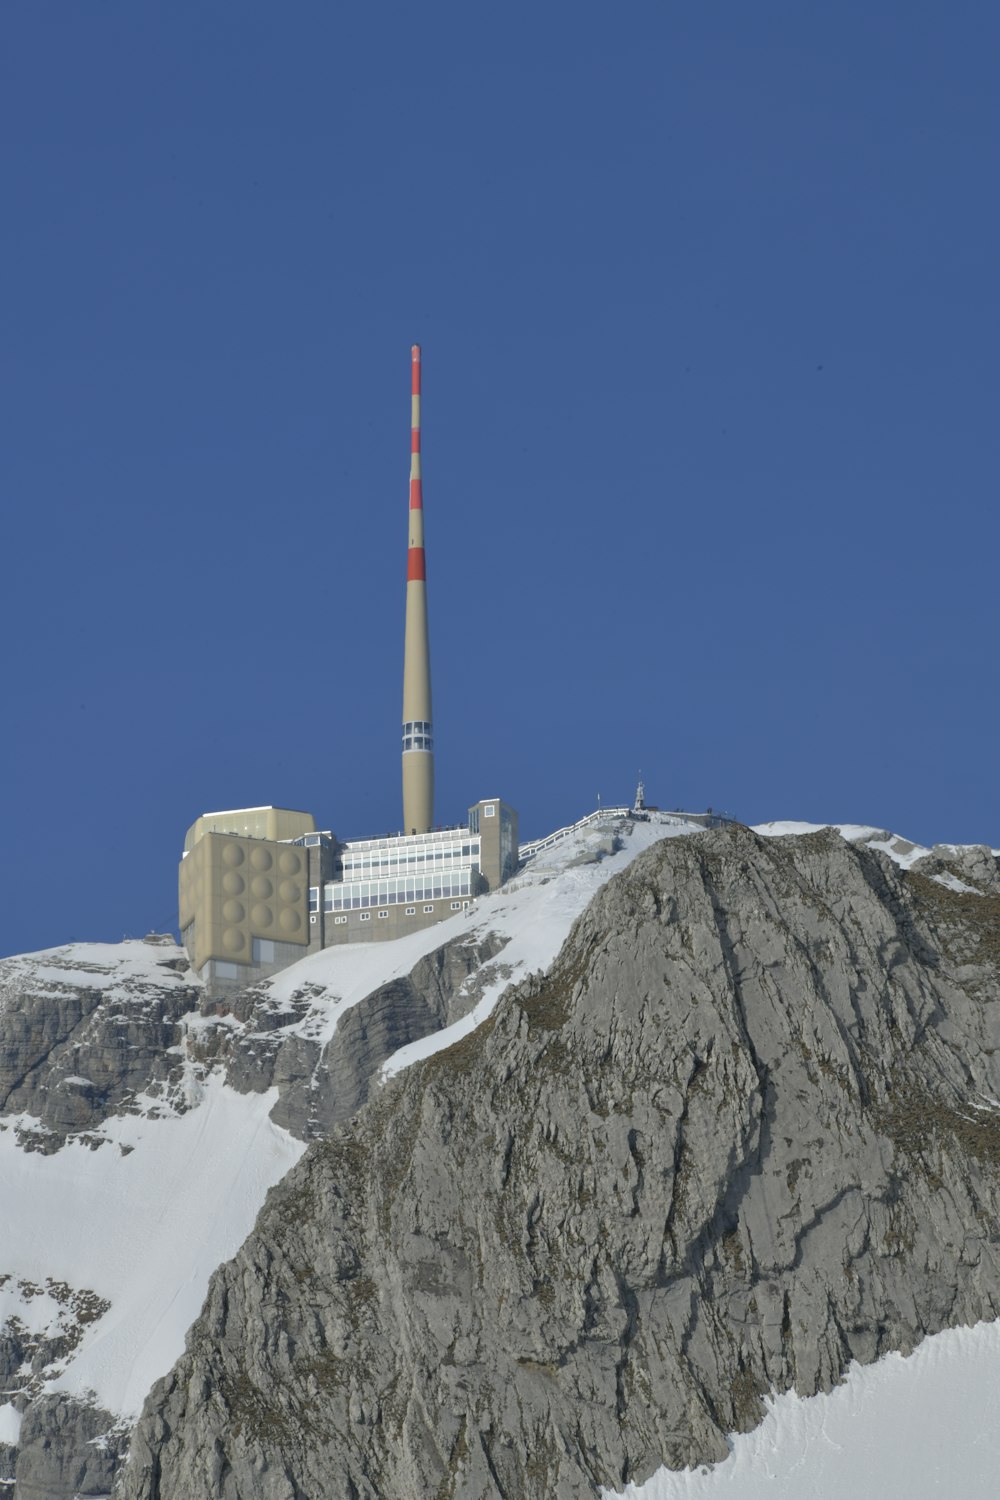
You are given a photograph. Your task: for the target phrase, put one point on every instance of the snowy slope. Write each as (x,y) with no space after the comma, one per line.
(925,1427)
(142,1221)
(901,851)
(534,912)
(143,1231)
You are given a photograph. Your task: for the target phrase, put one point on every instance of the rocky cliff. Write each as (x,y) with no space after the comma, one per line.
(97,1043)
(745,1129)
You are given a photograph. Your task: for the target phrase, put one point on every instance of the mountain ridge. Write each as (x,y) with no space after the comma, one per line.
(708,910)
(681,1169)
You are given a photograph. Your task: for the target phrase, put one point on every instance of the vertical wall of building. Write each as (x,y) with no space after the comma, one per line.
(496,824)
(242,904)
(320,851)
(418,729)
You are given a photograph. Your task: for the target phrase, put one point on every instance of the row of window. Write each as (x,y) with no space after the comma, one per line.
(394,892)
(353,864)
(353,895)
(407,840)
(411,911)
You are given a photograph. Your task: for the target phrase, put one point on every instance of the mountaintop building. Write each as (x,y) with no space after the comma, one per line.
(260,887)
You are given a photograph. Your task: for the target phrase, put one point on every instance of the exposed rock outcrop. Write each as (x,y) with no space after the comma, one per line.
(67,1448)
(745,1130)
(91,1031)
(81,1039)
(322,1082)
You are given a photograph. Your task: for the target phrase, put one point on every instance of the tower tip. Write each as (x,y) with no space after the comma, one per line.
(415,351)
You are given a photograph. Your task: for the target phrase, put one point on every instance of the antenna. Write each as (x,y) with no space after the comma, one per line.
(418,732)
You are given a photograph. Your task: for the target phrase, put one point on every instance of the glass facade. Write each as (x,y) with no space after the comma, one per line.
(410,868)
(353,895)
(418,734)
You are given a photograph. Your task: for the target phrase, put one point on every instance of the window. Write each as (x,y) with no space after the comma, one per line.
(314,898)
(366,916)
(224,970)
(456,906)
(489,811)
(411,911)
(339,921)
(428,908)
(262,951)
(382,915)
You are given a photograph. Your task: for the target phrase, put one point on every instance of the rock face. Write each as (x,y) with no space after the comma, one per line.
(745,1130)
(321,1083)
(80,1041)
(91,1031)
(68,1449)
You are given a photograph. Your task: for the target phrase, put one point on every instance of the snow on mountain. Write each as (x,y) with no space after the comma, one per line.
(134,1220)
(901,851)
(141,1222)
(111,1240)
(533,913)
(926,1426)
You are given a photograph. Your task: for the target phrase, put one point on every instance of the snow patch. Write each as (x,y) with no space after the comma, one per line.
(535,912)
(143,1230)
(924,1426)
(902,852)
(952,883)
(10,1424)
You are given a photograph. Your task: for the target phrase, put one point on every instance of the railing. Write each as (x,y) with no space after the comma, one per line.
(602,815)
(614,815)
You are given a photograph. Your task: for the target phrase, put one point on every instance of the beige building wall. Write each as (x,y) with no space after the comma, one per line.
(236,889)
(273,823)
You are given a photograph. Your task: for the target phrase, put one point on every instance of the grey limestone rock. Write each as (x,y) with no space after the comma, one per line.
(745,1130)
(974,865)
(73,1052)
(66,1448)
(322,1084)
(87,1033)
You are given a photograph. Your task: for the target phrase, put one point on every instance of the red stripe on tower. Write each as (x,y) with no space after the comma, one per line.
(417,727)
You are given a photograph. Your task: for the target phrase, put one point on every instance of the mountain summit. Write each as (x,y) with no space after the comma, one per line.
(558,1191)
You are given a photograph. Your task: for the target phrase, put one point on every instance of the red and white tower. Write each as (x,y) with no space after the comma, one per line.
(418,733)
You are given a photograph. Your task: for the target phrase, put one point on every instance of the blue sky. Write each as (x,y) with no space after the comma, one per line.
(708,299)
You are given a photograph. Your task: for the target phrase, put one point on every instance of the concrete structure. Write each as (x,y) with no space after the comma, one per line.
(260,887)
(418,728)
(385,888)
(242,898)
(251,905)
(274,823)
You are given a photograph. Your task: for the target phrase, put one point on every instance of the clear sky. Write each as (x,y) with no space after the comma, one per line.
(708,297)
